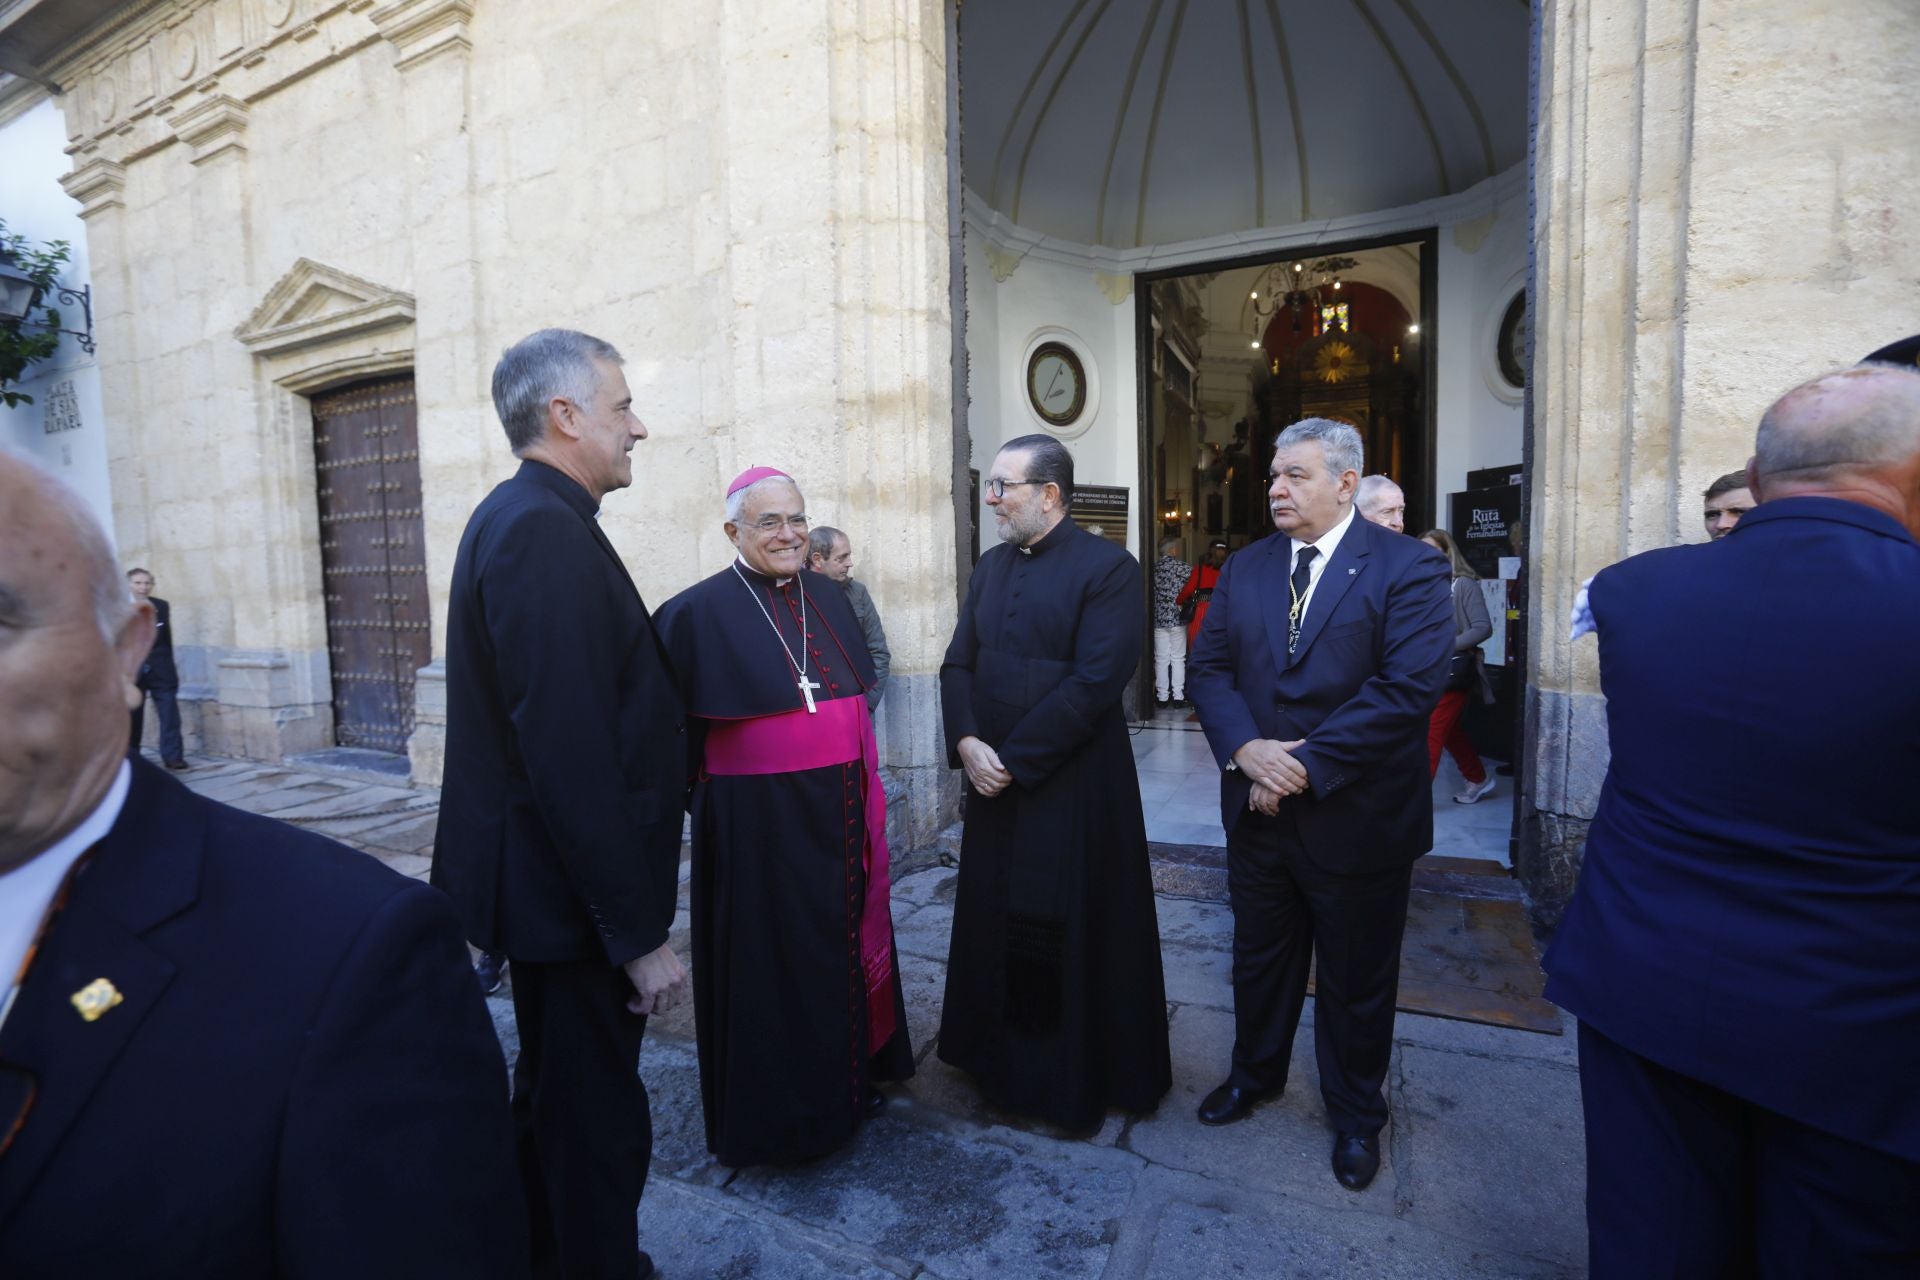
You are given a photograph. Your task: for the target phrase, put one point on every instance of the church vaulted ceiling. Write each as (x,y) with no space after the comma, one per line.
(1137,122)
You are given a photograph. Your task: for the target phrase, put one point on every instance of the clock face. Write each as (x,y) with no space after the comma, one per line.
(1056,383)
(1513,342)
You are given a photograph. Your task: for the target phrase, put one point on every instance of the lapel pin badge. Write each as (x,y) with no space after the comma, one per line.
(1351,572)
(96,998)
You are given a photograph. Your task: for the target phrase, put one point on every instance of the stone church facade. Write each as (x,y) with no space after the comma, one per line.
(286,200)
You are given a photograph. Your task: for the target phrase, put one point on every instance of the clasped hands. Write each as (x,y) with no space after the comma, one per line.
(1274,772)
(984,770)
(659,981)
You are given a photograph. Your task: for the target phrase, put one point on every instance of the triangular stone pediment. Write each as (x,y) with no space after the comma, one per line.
(315,303)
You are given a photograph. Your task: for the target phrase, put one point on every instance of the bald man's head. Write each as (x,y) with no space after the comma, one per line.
(1863,418)
(1854,434)
(71,644)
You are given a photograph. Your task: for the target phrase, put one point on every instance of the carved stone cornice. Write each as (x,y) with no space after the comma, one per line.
(211,127)
(148,60)
(314,303)
(422,29)
(97,185)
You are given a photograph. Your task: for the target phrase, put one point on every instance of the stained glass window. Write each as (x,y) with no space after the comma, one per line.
(1333,316)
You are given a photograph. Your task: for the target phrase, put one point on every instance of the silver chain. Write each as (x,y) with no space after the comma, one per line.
(800,663)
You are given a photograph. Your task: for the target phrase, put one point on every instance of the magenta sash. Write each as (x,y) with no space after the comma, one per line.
(794,741)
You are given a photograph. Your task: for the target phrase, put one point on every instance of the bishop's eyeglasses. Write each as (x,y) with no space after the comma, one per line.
(998,487)
(771,524)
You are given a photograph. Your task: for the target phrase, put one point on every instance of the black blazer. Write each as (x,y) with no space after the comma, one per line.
(1748,912)
(1369,669)
(158,672)
(301,1080)
(566,766)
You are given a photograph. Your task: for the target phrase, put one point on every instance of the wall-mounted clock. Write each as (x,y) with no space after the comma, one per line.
(1056,384)
(1512,349)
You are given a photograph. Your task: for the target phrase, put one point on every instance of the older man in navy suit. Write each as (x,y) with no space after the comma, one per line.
(228,1048)
(1320,662)
(1743,950)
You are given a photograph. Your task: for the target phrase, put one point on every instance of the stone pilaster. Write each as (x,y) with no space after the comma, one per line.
(433,53)
(841,323)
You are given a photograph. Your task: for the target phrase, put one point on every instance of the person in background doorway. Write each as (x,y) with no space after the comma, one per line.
(1466,677)
(1170,574)
(830,554)
(1727,499)
(159,680)
(1381,500)
(1194,596)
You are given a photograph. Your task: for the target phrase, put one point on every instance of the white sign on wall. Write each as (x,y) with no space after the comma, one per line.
(63,408)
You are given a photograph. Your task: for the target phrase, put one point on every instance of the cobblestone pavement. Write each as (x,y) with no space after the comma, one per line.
(1483,1160)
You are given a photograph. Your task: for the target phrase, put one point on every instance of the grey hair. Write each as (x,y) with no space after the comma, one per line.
(539,367)
(737,500)
(1373,488)
(820,541)
(1171,540)
(112,602)
(1865,416)
(1343,446)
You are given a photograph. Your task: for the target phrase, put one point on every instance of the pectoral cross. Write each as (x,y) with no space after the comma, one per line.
(807,686)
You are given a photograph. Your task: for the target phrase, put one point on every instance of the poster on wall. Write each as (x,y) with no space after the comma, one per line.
(1485,525)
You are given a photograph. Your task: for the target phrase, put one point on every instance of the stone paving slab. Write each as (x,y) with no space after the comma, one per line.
(1479,1139)
(1200,1228)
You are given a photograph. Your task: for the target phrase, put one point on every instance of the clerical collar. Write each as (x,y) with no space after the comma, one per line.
(570,490)
(747,568)
(1051,538)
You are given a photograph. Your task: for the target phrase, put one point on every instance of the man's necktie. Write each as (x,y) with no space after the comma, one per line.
(1297,605)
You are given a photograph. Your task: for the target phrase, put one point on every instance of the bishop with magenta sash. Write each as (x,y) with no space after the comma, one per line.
(797,998)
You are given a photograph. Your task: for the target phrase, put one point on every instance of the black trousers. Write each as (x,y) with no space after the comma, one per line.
(166,705)
(1287,912)
(1684,1179)
(581,1125)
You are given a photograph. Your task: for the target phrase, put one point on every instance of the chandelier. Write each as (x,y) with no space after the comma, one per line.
(1301,288)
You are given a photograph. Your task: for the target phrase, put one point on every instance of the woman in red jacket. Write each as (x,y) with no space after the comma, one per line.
(1199,588)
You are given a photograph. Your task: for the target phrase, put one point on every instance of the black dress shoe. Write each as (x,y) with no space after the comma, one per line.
(488,970)
(1230,1102)
(176,765)
(1355,1160)
(645,1271)
(873,1104)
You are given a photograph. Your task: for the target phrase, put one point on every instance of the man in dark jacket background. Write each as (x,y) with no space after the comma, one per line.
(565,780)
(159,680)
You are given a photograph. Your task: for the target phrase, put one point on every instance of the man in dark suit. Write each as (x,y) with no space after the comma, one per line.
(228,1048)
(566,776)
(159,679)
(1319,664)
(1743,949)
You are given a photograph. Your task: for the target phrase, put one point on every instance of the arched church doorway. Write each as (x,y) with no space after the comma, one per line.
(1233,216)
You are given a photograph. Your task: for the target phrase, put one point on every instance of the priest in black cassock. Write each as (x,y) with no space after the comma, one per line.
(797,999)
(1055,1002)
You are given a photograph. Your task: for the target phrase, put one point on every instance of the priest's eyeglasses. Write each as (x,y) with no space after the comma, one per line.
(772,524)
(999,487)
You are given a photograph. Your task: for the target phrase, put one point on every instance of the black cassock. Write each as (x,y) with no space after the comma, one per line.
(779,881)
(1055,1001)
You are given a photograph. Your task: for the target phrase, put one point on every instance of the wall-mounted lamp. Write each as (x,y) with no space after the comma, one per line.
(19,292)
